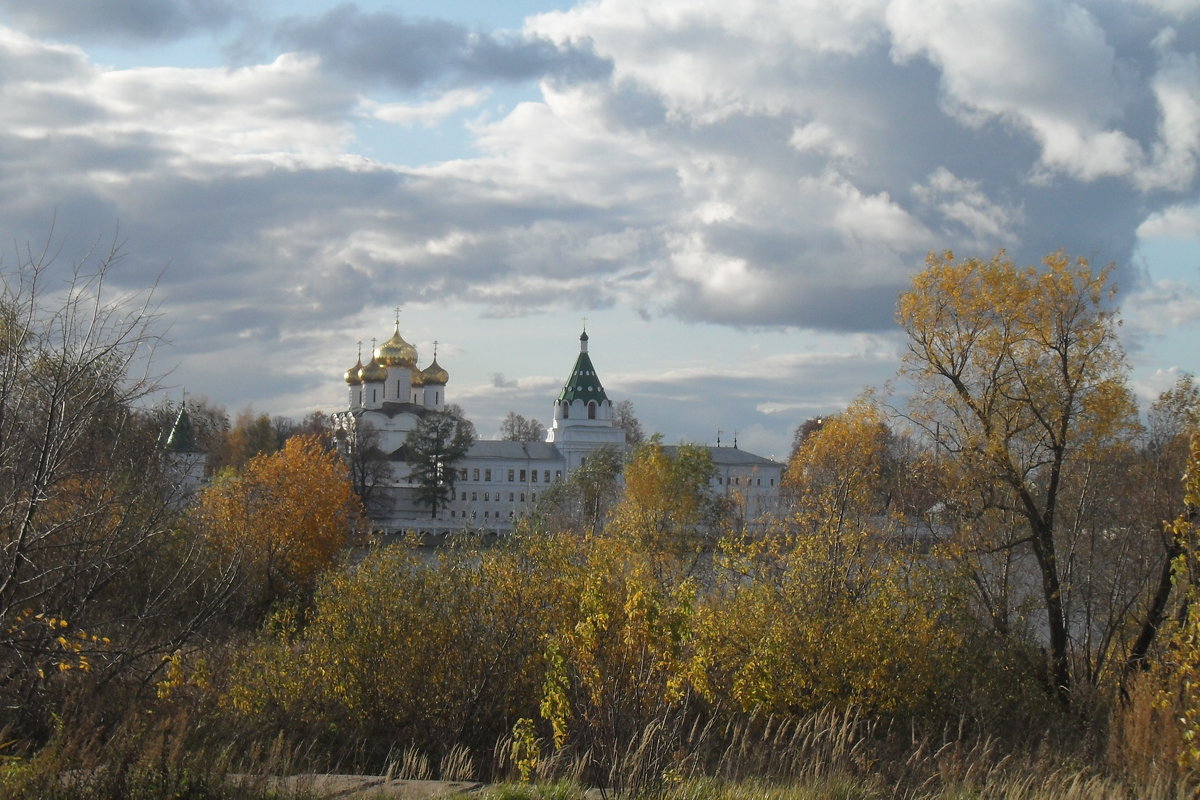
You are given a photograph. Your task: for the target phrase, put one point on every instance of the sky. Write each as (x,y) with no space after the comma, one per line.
(731,194)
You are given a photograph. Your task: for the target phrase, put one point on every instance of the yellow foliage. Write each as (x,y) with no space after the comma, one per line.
(1180,669)
(833,608)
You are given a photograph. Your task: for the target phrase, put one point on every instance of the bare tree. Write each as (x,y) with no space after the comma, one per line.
(517,428)
(359,446)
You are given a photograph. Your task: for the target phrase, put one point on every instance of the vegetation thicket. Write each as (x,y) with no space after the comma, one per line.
(975,595)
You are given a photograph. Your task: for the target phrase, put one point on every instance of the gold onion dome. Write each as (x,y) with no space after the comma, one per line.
(418,378)
(434,375)
(396,352)
(373,372)
(353,376)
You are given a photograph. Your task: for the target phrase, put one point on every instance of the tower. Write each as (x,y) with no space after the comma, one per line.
(583,414)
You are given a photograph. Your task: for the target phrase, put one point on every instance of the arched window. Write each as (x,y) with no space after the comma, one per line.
(592,409)
(566,410)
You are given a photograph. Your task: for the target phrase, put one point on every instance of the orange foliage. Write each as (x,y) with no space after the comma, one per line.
(286,516)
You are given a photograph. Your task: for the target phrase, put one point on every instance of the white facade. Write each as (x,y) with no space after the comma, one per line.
(497,482)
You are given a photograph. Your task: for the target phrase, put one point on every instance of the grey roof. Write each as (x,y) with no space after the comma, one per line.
(729,456)
(514,451)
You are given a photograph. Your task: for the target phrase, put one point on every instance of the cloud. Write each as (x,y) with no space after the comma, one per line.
(429,113)
(385,47)
(754,166)
(1180,221)
(121,21)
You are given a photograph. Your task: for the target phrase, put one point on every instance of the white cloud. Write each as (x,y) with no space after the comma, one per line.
(1181,221)
(996,62)
(429,113)
(964,203)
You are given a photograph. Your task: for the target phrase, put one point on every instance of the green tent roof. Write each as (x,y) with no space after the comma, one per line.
(583,383)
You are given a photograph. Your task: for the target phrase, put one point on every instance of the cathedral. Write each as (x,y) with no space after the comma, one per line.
(498,481)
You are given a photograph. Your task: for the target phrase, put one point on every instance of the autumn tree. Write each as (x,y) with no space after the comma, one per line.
(1174,420)
(1019,376)
(667,506)
(1179,669)
(517,428)
(834,607)
(439,441)
(285,517)
(584,501)
(251,435)
(96,573)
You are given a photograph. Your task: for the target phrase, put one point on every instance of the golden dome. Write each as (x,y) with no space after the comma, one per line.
(418,378)
(373,372)
(352,375)
(396,352)
(434,375)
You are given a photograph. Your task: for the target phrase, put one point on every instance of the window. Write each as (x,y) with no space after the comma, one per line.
(546,476)
(462,474)
(758,481)
(486,497)
(566,410)
(474,496)
(374,393)
(511,475)
(533,497)
(510,497)
(485,515)
(772,481)
(533,475)
(522,476)
(592,409)
(487,475)
(522,497)
(475,474)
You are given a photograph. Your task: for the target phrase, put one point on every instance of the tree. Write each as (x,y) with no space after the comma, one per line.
(667,507)
(285,517)
(359,446)
(1019,376)
(803,431)
(625,419)
(96,573)
(252,434)
(439,441)
(517,428)
(833,607)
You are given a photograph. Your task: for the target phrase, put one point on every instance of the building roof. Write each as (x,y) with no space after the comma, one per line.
(729,456)
(514,451)
(182,438)
(583,383)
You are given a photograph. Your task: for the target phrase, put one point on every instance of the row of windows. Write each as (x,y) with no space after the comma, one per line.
(736,480)
(489,497)
(473,515)
(514,475)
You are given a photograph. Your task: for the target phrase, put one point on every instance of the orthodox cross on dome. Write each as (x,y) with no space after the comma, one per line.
(397,317)
(435,349)
(360,349)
